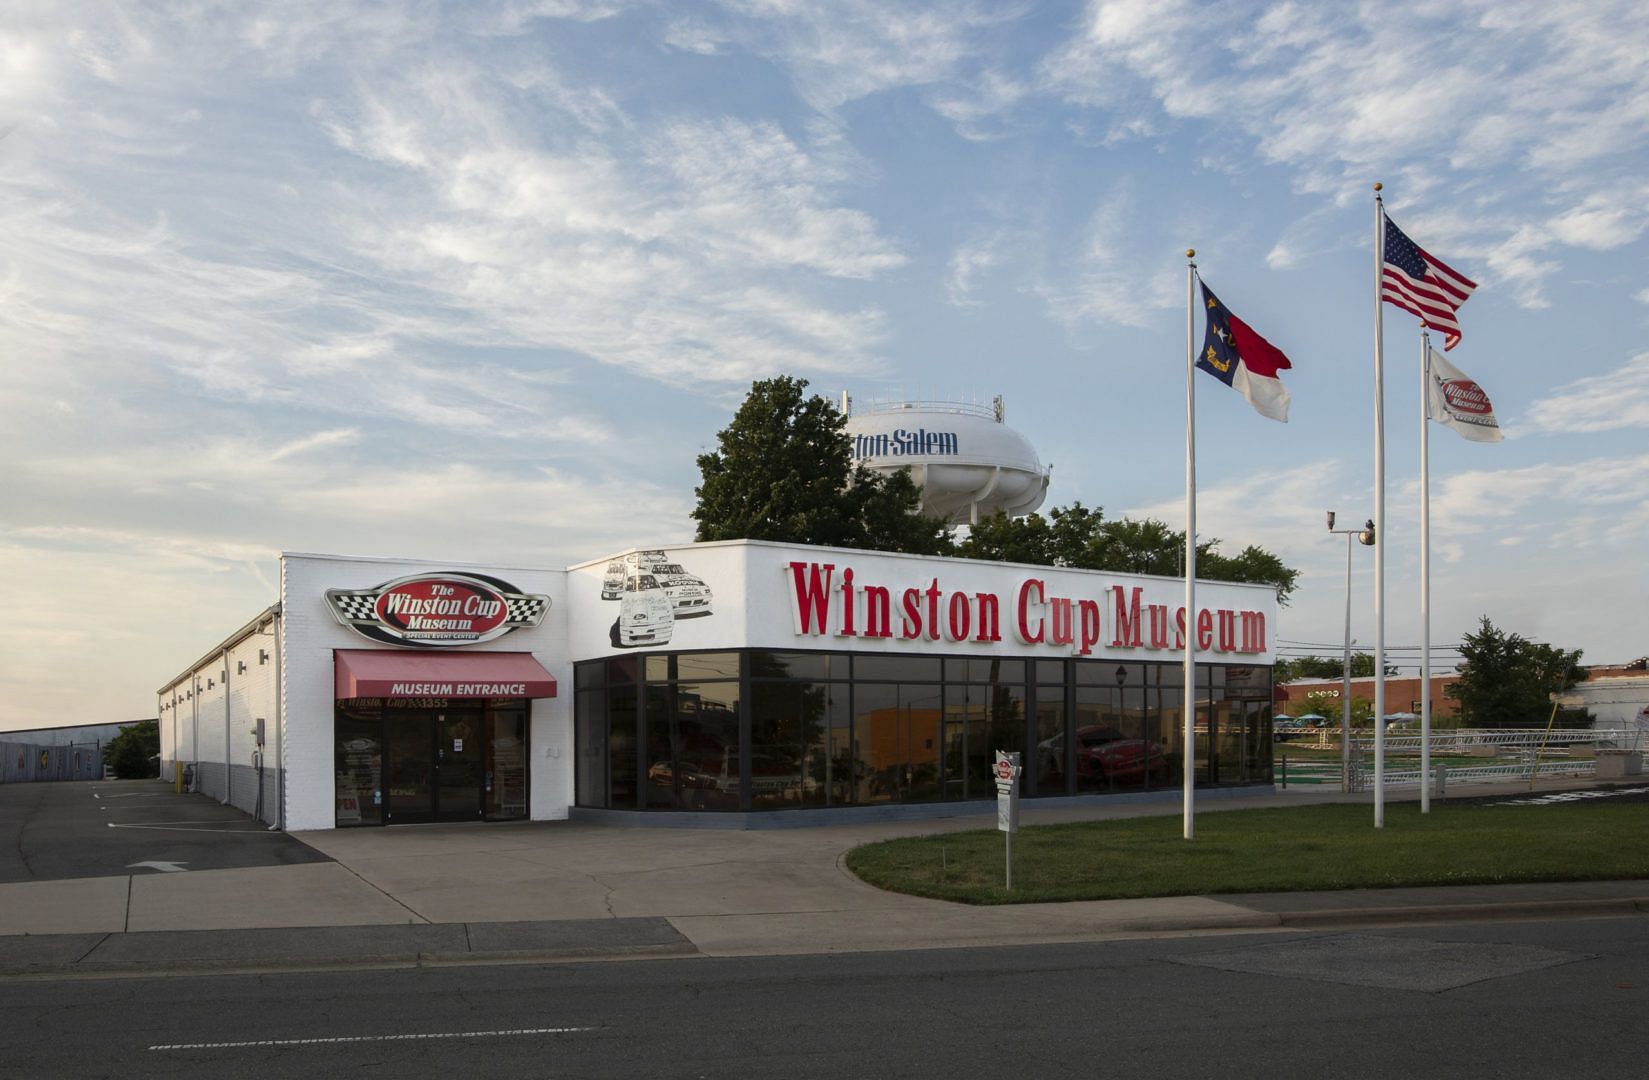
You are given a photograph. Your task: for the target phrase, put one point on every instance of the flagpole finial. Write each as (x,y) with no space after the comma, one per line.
(1378,186)
(1190,253)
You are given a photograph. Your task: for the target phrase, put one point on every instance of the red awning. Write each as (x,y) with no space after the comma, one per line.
(373,673)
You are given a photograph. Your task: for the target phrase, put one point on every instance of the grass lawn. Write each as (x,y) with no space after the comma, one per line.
(1273,850)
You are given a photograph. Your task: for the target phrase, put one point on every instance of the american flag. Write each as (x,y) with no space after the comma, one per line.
(1423,286)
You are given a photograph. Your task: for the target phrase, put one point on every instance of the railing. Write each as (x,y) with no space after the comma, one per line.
(1465,738)
(988,410)
(1491,774)
(1528,745)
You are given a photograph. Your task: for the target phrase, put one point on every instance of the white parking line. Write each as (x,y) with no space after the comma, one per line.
(370,1038)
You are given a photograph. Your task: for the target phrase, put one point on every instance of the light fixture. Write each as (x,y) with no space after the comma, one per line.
(263,657)
(1122,674)
(240,667)
(1365,536)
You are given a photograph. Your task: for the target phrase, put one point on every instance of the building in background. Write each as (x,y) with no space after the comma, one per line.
(72,752)
(1617,695)
(1402,695)
(739,679)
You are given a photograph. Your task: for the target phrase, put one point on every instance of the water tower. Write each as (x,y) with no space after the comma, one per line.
(968,463)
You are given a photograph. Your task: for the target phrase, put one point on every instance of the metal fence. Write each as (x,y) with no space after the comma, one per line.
(22,763)
(1511,754)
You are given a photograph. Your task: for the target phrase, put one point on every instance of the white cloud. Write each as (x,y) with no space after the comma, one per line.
(967,263)
(1619,399)
(1417,94)
(1104,282)
(842,52)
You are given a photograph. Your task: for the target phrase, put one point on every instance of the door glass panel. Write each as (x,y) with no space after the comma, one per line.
(410,767)
(458,764)
(506,749)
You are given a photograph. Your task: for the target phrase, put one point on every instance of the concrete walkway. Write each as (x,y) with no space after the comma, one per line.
(563,890)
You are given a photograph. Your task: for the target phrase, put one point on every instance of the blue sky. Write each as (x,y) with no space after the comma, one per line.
(478,281)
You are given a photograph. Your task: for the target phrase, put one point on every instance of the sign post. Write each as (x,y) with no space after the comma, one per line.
(1007,803)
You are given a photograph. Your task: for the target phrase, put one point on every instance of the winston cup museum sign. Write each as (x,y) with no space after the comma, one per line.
(437,610)
(827,598)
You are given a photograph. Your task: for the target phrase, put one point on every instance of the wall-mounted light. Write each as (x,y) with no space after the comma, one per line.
(240,667)
(209,684)
(263,657)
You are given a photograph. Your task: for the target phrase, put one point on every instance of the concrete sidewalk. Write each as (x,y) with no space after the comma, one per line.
(563,890)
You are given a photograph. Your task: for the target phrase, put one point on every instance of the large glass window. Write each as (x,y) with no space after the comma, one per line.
(506,762)
(358,728)
(1166,723)
(663,730)
(897,735)
(792,733)
(590,734)
(1053,759)
(707,745)
(623,750)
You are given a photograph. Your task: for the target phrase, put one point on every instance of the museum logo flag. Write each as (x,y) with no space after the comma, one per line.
(1422,286)
(1455,401)
(1241,359)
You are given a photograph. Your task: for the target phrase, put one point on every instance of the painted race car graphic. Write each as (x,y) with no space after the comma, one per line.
(687,595)
(645,614)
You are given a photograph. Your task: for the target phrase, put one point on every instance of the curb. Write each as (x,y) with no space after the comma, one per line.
(1426,913)
(362,962)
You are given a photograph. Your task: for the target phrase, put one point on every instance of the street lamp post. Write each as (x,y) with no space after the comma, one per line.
(1365,536)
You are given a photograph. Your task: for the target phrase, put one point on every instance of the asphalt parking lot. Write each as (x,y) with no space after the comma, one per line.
(107,828)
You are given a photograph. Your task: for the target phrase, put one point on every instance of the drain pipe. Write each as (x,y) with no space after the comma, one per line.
(280,724)
(228,736)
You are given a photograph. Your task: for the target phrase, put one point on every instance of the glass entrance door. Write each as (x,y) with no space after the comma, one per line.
(433,762)
(409,769)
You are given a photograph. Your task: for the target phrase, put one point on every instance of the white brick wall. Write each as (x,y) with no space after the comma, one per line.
(310,634)
(212,725)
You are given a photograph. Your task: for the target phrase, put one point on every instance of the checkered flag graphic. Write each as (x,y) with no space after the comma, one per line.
(523,610)
(354,607)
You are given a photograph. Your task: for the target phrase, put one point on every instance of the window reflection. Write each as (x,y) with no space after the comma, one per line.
(671,741)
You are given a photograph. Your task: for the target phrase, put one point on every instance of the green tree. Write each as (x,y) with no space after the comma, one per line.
(784,471)
(1328,705)
(1326,667)
(1507,681)
(1079,537)
(134,753)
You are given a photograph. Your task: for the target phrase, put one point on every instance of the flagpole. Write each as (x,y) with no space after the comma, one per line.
(1190,677)
(1381,537)
(1425,571)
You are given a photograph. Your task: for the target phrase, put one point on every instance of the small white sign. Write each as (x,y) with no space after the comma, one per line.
(1007,792)
(458,746)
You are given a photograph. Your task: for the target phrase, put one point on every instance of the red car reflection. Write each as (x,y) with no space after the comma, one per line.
(1103,754)
(663,773)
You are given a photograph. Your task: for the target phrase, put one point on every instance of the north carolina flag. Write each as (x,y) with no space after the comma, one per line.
(1243,360)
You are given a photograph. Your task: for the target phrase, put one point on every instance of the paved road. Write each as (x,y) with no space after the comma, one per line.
(1497,1000)
(87,829)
